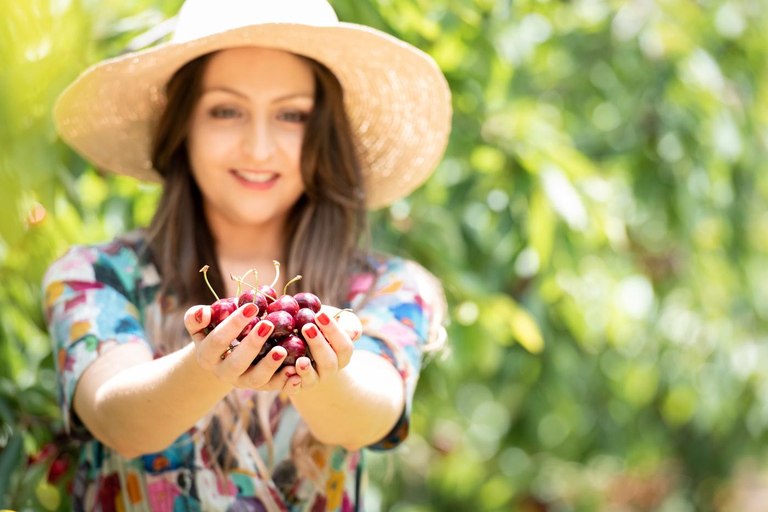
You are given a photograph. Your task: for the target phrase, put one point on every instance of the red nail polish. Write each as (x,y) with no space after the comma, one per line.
(277,356)
(296,383)
(304,366)
(199,315)
(290,374)
(323,319)
(250,309)
(311,331)
(263,329)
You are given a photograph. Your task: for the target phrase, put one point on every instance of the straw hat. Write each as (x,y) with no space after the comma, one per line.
(397,99)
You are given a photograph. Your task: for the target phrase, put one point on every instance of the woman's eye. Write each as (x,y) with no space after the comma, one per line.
(224,112)
(294,116)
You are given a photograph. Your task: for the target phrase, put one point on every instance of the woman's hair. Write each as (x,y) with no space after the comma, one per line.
(327,234)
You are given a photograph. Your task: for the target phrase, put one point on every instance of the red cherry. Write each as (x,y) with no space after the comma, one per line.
(269,292)
(248,328)
(284,303)
(295,347)
(260,301)
(268,345)
(308,300)
(57,470)
(283,322)
(221,309)
(303,317)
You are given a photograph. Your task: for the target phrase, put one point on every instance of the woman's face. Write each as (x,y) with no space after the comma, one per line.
(246,134)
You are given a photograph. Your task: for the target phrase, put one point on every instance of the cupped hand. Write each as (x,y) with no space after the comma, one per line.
(331,346)
(233,366)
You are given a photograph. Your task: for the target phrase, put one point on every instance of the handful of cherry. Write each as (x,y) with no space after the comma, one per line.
(287,313)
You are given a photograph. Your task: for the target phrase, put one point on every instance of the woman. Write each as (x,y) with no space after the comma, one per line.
(272,127)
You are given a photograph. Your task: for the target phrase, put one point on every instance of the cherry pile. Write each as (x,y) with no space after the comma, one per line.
(287,313)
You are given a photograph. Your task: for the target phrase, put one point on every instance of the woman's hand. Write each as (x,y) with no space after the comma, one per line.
(233,366)
(330,343)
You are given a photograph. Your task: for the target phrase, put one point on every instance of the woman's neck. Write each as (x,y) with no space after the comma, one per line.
(240,248)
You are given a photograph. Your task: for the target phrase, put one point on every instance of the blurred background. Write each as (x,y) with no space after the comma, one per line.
(599,222)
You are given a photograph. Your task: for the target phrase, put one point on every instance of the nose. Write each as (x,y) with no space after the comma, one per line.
(259,141)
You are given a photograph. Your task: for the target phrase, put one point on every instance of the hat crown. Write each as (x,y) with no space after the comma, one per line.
(201,18)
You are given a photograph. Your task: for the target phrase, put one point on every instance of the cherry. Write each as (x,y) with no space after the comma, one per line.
(220,309)
(57,470)
(296,348)
(268,345)
(303,317)
(283,322)
(248,328)
(253,297)
(285,302)
(268,292)
(308,300)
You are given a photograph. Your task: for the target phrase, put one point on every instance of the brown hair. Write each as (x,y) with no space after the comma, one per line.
(327,233)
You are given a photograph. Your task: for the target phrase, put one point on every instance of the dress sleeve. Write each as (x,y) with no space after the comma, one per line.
(90,300)
(401,318)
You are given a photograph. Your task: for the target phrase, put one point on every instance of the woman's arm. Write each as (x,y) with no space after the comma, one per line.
(138,405)
(354,395)
(355,407)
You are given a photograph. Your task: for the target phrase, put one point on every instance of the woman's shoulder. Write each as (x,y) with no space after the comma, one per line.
(390,274)
(119,256)
(392,267)
(403,289)
(379,263)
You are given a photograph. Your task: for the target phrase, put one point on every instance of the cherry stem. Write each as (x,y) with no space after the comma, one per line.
(336,316)
(204,270)
(277,273)
(285,288)
(243,282)
(237,280)
(240,281)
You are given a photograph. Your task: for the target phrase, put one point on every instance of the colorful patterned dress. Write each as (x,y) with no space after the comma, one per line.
(109,292)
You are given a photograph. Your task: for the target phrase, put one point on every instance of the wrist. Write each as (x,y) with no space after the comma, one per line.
(201,375)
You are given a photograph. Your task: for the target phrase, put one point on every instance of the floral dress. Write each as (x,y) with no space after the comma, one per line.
(109,293)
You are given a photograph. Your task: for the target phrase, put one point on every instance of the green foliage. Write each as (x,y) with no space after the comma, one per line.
(598,223)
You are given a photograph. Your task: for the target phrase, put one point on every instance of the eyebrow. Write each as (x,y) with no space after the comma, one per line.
(240,94)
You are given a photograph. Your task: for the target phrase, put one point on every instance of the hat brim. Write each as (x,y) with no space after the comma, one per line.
(397,100)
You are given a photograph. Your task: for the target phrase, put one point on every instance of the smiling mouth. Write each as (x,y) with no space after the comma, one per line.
(260,177)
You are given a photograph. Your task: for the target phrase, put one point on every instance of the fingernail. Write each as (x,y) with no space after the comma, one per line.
(311,331)
(263,329)
(199,315)
(323,319)
(296,383)
(290,374)
(277,356)
(304,366)
(250,309)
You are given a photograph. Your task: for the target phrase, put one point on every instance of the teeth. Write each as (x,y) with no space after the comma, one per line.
(255,178)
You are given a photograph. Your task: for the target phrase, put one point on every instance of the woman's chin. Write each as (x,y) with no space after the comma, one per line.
(262,218)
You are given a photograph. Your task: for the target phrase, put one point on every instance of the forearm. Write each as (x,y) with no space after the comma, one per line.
(144,408)
(356,407)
